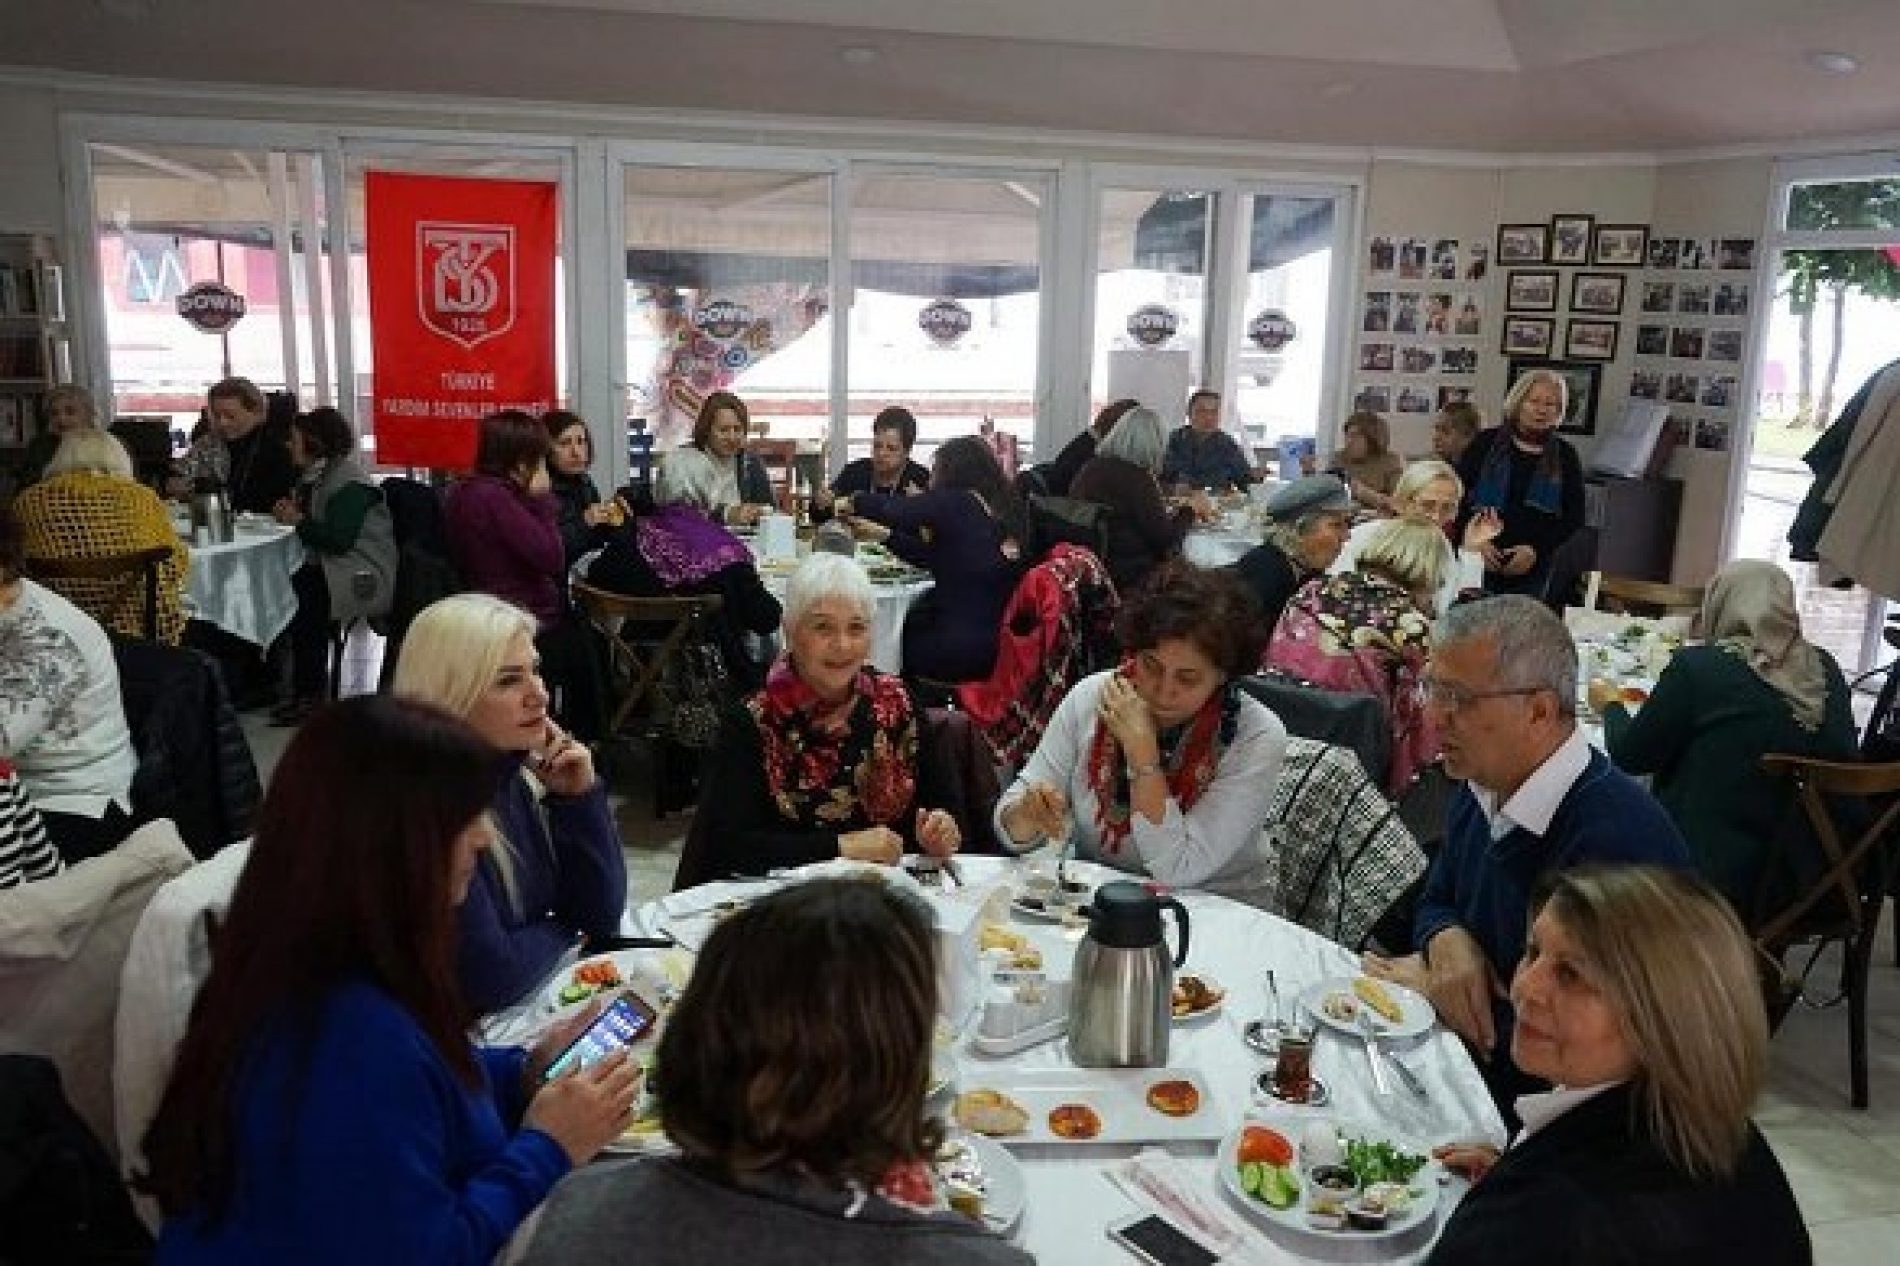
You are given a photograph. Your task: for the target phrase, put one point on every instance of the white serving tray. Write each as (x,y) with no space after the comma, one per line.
(1118,1095)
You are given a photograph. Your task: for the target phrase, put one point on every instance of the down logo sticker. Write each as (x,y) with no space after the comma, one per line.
(211,307)
(944,321)
(1152,325)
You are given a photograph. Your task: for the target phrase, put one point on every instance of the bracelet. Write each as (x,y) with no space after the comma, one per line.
(1142,771)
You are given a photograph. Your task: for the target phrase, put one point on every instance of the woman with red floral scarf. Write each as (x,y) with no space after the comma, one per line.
(823,762)
(1161,766)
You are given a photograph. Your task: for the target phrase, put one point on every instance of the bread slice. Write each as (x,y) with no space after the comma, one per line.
(1374,995)
(990,1112)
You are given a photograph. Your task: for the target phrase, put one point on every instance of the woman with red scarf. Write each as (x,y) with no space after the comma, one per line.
(1161,766)
(823,762)
(1532,478)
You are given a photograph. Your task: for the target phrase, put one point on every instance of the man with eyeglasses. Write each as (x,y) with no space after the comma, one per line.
(1502,688)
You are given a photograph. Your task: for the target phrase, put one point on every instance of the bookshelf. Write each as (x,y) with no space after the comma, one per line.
(35,355)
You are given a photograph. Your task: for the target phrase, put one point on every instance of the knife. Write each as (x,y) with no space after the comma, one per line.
(1406,1075)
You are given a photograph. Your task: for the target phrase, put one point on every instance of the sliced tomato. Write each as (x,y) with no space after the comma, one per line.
(1270,1147)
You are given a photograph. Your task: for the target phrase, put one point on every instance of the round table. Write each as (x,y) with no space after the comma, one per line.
(243,586)
(1071,1200)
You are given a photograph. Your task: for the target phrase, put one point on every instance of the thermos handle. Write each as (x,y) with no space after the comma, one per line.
(1180,927)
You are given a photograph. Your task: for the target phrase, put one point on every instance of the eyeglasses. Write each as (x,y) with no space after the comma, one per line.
(1452,697)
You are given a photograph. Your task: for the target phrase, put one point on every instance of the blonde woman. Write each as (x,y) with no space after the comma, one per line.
(1531,476)
(1637,999)
(1368,631)
(555,874)
(1429,492)
(68,409)
(90,506)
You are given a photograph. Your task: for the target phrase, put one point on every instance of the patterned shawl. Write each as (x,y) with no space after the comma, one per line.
(841,767)
(683,546)
(1190,757)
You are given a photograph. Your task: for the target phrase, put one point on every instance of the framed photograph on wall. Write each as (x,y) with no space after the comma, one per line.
(1570,238)
(1580,415)
(1620,245)
(1527,336)
(1528,291)
(1600,293)
(1590,340)
(1523,243)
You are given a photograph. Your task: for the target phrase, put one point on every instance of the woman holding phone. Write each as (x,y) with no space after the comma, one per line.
(326,1105)
(1162,766)
(792,1073)
(555,875)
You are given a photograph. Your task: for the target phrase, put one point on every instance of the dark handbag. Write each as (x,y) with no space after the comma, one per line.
(692,693)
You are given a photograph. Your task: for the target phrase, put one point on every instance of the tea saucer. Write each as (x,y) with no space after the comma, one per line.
(1260,1035)
(1319,1097)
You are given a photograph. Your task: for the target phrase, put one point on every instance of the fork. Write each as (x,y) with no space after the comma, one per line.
(1375,1058)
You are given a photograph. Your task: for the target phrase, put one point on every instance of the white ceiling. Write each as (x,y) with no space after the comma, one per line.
(1525,76)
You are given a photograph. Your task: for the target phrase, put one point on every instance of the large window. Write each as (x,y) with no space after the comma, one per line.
(1153,249)
(240,226)
(1282,331)
(946,304)
(728,287)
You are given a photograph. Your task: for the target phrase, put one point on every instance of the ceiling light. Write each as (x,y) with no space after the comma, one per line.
(857,54)
(1833,63)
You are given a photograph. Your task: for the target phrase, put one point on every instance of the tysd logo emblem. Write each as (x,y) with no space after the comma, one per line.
(465,279)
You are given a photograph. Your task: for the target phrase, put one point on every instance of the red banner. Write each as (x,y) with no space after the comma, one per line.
(461,309)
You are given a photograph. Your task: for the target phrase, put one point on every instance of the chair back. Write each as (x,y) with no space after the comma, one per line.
(112,581)
(1067,520)
(779,457)
(195,766)
(1342,856)
(425,570)
(1356,722)
(1647,597)
(63,946)
(644,637)
(1853,812)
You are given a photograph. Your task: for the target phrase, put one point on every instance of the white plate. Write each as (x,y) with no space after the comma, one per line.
(1424,1184)
(1195,1017)
(1043,913)
(1417,1011)
(1118,1095)
(654,974)
(1005,1193)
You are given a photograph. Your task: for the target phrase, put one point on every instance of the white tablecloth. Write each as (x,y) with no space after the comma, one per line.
(894,601)
(244,587)
(1071,1201)
(1217,546)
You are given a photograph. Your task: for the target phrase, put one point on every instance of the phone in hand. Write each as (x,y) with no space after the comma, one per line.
(1159,1242)
(625,1020)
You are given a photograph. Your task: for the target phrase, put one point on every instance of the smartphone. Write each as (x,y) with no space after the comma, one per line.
(1159,1242)
(625,1020)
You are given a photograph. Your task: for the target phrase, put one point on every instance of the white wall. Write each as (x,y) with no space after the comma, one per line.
(29,154)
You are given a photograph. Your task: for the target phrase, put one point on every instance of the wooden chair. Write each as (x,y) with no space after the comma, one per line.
(121,571)
(779,458)
(1844,901)
(1648,597)
(642,636)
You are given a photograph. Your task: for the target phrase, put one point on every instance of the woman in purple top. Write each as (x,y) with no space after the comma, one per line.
(505,534)
(967,532)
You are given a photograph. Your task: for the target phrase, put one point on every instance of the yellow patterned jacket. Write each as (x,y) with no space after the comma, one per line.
(85,514)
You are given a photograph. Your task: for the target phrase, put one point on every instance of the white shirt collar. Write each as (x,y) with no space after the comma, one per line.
(1539,1110)
(1535,803)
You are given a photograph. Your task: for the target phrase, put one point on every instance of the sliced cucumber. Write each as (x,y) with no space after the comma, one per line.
(1251,1173)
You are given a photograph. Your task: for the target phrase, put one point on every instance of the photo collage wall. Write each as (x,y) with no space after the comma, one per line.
(1691,333)
(1421,321)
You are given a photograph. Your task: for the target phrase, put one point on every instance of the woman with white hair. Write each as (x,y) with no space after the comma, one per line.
(555,874)
(1754,685)
(1531,476)
(1429,492)
(824,761)
(90,506)
(69,408)
(1124,475)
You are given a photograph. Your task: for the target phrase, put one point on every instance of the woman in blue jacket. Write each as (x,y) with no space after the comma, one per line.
(326,1105)
(555,875)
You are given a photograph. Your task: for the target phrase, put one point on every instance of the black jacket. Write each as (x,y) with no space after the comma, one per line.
(195,766)
(1592,1188)
(1272,577)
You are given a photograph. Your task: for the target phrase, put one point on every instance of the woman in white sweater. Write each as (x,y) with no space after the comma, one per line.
(62,722)
(1161,767)
(1429,492)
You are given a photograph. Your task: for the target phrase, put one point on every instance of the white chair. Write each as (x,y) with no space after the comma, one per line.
(168,960)
(63,943)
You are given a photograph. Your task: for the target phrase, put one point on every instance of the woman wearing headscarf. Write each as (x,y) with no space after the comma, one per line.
(1754,686)
(1532,477)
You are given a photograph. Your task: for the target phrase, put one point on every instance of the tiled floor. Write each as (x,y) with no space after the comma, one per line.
(1844,1165)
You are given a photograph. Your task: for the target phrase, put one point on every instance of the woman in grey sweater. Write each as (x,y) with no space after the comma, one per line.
(792,1076)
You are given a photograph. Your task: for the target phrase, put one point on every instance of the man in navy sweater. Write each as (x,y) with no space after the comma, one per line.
(1502,689)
